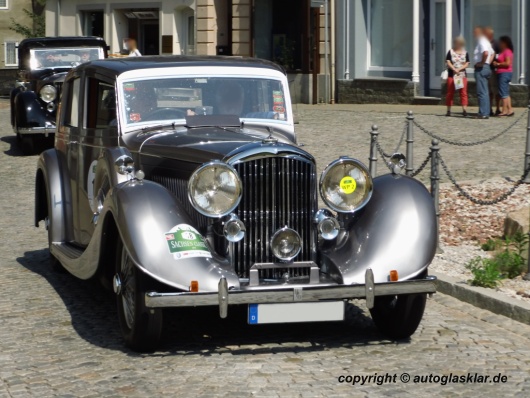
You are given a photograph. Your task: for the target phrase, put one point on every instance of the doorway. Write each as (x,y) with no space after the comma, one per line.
(438,51)
(150,38)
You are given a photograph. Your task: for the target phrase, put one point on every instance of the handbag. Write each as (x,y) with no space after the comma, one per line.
(459,81)
(444,75)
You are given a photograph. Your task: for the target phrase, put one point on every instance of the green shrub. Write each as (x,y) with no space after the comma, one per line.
(490,245)
(485,272)
(509,264)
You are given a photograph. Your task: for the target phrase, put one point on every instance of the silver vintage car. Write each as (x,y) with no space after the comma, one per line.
(178,182)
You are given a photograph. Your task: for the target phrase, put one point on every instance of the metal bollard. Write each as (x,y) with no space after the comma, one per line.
(435,186)
(527,153)
(409,169)
(372,166)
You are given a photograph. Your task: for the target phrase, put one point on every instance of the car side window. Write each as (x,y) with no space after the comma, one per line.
(71,116)
(101,105)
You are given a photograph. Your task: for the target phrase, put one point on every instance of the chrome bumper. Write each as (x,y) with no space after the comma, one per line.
(35,130)
(287,294)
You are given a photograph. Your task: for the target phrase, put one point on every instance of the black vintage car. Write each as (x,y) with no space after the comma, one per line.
(43,63)
(178,182)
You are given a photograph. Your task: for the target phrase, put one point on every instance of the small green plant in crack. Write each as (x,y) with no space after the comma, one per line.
(485,272)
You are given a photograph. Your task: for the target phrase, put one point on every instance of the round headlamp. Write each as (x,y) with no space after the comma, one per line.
(214,189)
(346,185)
(286,244)
(48,93)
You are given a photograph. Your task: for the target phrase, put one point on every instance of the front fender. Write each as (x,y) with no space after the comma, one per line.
(397,230)
(144,212)
(29,111)
(12,96)
(52,195)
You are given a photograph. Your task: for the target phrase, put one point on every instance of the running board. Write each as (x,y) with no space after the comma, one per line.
(66,251)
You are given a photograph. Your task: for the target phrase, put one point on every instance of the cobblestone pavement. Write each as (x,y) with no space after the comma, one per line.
(59,336)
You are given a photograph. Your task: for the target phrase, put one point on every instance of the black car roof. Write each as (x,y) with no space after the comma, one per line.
(117,66)
(62,41)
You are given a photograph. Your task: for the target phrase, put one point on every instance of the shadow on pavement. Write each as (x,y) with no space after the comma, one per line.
(198,331)
(38,144)
(14,149)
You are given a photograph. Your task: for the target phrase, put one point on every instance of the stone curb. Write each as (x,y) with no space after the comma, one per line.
(487,299)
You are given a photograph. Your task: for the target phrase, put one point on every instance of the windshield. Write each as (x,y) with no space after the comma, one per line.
(63,57)
(170,99)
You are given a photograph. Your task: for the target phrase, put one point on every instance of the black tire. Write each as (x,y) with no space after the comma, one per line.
(27,145)
(398,317)
(141,327)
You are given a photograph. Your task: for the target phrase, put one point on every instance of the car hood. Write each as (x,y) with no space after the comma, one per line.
(54,77)
(199,145)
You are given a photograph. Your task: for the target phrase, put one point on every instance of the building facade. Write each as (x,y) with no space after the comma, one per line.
(163,27)
(397,48)
(9,10)
(291,33)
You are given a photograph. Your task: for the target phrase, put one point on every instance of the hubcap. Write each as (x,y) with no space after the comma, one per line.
(116,284)
(127,288)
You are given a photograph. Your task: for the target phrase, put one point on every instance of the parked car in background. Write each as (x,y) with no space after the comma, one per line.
(178,182)
(43,63)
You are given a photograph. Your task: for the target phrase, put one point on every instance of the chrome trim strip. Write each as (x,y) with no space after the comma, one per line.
(36,130)
(369,287)
(287,294)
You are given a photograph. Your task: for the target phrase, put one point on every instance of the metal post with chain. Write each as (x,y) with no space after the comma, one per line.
(527,153)
(372,165)
(435,185)
(409,169)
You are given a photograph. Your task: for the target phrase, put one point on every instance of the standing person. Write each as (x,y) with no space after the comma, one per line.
(493,85)
(133,48)
(503,65)
(482,57)
(457,61)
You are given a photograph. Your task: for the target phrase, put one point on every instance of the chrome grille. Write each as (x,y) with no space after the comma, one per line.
(277,192)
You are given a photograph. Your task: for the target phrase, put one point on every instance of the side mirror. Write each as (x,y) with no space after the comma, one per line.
(397,162)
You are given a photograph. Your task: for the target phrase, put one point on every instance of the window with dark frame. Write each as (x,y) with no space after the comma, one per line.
(71,115)
(101,105)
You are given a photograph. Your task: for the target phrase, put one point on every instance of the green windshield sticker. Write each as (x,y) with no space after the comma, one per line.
(184,241)
(128,86)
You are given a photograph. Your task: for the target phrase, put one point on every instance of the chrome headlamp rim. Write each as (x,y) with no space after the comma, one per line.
(276,234)
(360,165)
(48,87)
(194,177)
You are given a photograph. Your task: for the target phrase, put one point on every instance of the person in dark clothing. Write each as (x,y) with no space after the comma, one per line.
(493,81)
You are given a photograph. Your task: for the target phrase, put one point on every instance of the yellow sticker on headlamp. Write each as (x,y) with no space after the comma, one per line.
(348,185)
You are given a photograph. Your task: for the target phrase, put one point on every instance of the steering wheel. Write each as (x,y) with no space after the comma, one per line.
(165,114)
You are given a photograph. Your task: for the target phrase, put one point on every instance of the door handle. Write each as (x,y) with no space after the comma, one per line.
(432,44)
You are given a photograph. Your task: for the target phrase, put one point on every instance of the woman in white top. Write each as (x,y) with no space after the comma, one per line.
(133,48)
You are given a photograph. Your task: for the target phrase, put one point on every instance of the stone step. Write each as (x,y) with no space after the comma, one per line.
(418,100)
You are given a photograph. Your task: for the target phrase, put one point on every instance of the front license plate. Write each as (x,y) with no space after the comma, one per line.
(296,312)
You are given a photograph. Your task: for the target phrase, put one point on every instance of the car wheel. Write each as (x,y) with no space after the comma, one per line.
(398,317)
(141,327)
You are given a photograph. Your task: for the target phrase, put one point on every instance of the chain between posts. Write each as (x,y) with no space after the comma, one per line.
(468,196)
(466,144)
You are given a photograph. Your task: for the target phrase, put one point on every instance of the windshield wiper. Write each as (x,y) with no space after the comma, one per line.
(148,129)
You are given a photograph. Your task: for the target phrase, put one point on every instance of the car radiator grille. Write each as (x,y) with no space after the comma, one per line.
(277,192)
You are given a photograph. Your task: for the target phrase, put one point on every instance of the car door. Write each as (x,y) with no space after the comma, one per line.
(67,142)
(99,132)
